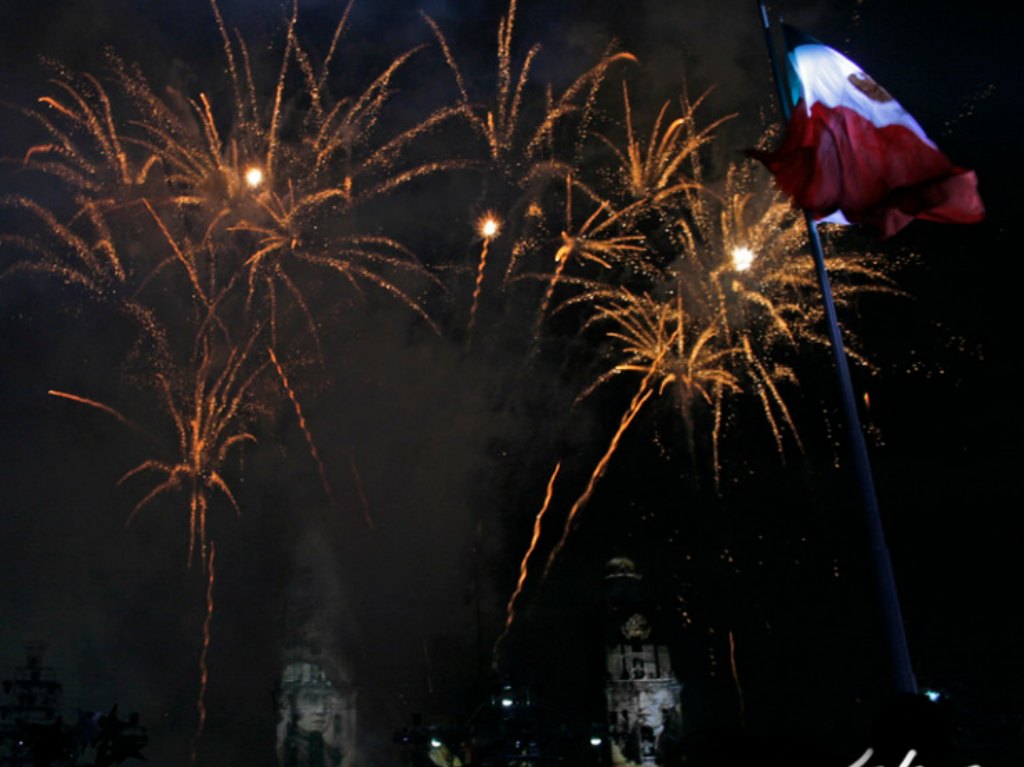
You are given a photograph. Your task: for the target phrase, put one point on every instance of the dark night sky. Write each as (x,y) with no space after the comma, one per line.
(442,456)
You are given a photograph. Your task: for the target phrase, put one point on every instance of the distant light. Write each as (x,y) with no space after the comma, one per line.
(435,743)
(742,258)
(254,177)
(507,702)
(595,740)
(932,695)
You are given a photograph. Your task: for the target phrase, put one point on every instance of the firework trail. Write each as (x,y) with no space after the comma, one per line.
(303,425)
(204,675)
(364,501)
(510,608)
(488,228)
(639,399)
(98,405)
(736,679)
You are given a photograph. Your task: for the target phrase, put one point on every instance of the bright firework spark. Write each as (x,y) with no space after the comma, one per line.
(727,315)
(254,177)
(742,258)
(489,226)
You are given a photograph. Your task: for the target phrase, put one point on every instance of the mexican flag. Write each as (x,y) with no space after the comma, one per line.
(851,152)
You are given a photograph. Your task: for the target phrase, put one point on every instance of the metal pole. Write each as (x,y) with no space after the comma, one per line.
(899,655)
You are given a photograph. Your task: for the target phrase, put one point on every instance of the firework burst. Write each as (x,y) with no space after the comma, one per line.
(208,412)
(520,136)
(744,266)
(513,147)
(213,224)
(652,176)
(727,314)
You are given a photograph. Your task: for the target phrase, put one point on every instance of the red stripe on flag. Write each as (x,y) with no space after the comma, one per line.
(836,159)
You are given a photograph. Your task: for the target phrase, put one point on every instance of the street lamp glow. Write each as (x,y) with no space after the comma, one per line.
(742,258)
(254,177)
(506,702)
(435,743)
(595,741)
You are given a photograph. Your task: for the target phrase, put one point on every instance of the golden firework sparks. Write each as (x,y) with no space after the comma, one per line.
(206,417)
(210,224)
(513,146)
(287,237)
(594,241)
(654,174)
(743,267)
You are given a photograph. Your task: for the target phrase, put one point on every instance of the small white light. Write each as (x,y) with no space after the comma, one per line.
(435,743)
(595,741)
(254,177)
(932,695)
(742,258)
(506,702)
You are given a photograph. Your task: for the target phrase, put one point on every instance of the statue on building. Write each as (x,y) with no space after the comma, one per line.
(317,717)
(642,691)
(316,695)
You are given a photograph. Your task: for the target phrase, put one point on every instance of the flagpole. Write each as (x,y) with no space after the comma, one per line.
(899,654)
